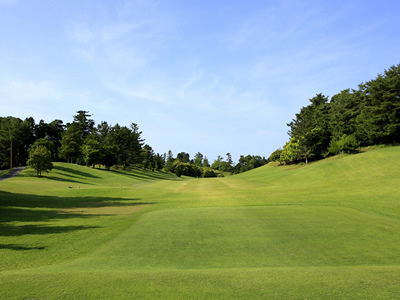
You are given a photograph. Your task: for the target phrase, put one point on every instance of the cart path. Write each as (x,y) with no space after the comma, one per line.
(12,173)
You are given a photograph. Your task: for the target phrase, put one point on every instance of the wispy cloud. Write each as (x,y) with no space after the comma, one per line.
(223,72)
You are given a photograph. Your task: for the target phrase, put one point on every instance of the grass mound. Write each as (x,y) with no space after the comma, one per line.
(326,230)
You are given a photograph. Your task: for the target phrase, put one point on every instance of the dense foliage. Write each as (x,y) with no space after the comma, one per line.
(105,145)
(367,116)
(78,142)
(40,159)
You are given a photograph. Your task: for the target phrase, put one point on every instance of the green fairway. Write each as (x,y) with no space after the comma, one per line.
(328,230)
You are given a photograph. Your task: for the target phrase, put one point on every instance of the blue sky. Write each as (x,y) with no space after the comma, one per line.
(196,76)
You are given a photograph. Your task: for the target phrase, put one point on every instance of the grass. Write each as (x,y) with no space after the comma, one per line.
(4,172)
(327,230)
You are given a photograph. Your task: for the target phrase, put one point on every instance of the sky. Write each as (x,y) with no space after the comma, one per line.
(195,75)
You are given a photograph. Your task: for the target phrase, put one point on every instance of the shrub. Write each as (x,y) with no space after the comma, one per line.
(276,155)
(290,152)
(209,173)
(180,168)
(346,144)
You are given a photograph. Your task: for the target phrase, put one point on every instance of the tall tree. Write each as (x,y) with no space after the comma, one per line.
(55,131)
(71,143)
(380,110)
(10,130)
(310,128)
(345,107)
(85,124)
(229,162)
(169,162)
(183,157)
(198,159)
(92,151)
(206,163)
(216,165)
(147,157)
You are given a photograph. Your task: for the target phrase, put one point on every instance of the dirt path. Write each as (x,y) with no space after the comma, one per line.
(12,173)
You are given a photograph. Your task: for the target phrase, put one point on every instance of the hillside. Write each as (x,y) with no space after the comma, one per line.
(326,230)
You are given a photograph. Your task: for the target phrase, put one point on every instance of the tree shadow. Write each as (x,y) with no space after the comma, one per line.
(11,230)
(75,172)
(67,180)
(145,175)
(19,247)
(16,210)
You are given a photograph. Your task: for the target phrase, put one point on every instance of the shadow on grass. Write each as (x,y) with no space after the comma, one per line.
(145,174)
(76,173)
(49,177)
(19,247)
(17,209)
(73,176)
(10,230)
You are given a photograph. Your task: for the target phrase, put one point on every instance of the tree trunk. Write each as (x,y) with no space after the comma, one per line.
(11,155)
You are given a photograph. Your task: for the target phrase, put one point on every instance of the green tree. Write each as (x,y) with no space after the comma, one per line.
(229,162)
(10,130)
(198,159)
(310,128)
(92,152)
(379,118)
(170,161)
(345,107)
(109,156)
(183,157)
(44,142)
(54,133)
(206,163)
(148,157)
(346,144)
(209,173)
(276,155)
(85,124)
(158,161)
(73,138)
(216,165)
(40,159)
(290,152)
(27,138)
(71,143)
(188,169)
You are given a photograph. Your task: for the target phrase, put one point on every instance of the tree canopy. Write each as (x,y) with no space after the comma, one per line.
(352,118)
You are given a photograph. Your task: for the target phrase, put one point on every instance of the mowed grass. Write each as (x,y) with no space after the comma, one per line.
(327,230)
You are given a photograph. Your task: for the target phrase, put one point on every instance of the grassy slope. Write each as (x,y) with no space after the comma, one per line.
(328,230)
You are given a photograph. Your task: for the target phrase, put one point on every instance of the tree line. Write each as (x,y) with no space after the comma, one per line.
(200,165)
(83,142)
(351,119)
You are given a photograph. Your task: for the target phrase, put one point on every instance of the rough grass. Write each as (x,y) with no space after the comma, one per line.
(4,172)
(326,230)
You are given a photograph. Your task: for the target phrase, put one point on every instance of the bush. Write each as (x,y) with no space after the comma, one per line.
(346,144)
(209,173)
(290,152)
(276,155)
(180,168)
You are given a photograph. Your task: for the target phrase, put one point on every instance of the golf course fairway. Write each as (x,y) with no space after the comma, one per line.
(328,230)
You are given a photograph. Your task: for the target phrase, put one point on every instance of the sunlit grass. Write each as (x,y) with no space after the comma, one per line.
(326,230)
